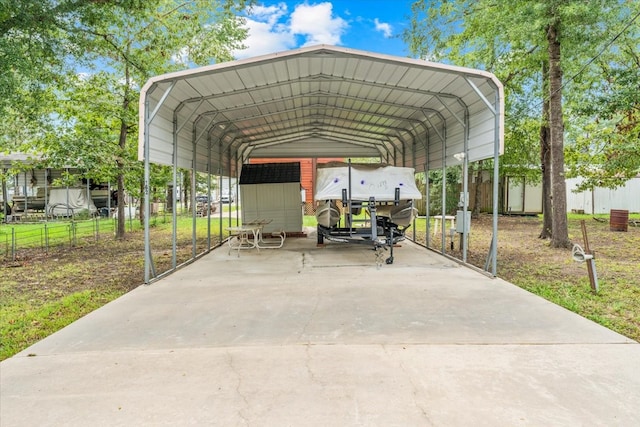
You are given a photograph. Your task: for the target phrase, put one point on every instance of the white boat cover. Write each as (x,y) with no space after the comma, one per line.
(65,202)
(367,180)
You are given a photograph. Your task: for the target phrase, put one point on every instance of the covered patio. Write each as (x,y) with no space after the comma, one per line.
(323,101)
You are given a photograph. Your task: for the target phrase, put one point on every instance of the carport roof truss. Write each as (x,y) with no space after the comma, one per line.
(321,101)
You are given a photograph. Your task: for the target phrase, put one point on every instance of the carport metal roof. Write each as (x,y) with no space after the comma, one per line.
(321,101)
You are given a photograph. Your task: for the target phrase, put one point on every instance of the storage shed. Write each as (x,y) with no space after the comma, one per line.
(271,192)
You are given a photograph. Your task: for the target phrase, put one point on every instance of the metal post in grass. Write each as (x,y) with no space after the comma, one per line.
(70,232)
(590,259)
(46,238)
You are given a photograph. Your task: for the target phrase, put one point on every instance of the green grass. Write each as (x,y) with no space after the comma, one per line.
(24,321)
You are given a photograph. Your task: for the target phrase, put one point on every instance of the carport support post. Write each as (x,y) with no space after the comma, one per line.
(229,181)
(229,185)
(208,193)
(174,189)
(220,217)
(147,210)
(427,205)
(413,165)
(194,186)
(148,117)
(496,178)
(237,191)
(465,188)
(220,185)
(443,210)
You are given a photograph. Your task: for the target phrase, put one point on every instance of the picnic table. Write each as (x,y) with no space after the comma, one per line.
(250,235)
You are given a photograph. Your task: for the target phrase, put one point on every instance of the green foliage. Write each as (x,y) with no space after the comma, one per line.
(453,179)
(71,73)
(508,38)
(606,138)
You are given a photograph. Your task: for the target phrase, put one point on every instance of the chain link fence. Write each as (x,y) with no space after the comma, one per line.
(50,235)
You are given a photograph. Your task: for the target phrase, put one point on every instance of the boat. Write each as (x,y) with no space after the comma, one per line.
(401,215)
(327,213)
(385,194)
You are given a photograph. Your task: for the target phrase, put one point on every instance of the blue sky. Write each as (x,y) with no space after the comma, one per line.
(373,25)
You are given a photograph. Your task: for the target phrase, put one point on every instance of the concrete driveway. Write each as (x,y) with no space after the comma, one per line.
(321,337)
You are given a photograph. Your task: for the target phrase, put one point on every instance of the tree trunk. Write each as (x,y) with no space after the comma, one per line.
(120,229)
(560,231)
(169,204)
(545,160)
(186,180)
(122,143)
(5,199)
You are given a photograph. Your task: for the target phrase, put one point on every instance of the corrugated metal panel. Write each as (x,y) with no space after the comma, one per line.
(305,101)
(602,200)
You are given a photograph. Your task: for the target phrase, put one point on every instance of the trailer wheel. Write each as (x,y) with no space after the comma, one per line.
(320,237)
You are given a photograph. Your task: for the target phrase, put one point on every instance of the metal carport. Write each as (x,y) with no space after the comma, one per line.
(321,101)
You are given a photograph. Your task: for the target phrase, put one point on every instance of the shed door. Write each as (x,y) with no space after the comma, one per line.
(515,195)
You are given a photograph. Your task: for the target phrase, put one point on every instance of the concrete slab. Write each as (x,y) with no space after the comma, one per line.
(309,335)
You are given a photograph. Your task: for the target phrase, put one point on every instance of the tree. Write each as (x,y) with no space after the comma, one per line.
(118,45)
(511,39)
(165,36)
(35,56)
(559,230)
(606,140)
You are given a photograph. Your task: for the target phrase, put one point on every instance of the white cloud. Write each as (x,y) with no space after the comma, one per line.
(271,29)
(264,38)
(268,14)
(317,24)
(384,28)
(266,33)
